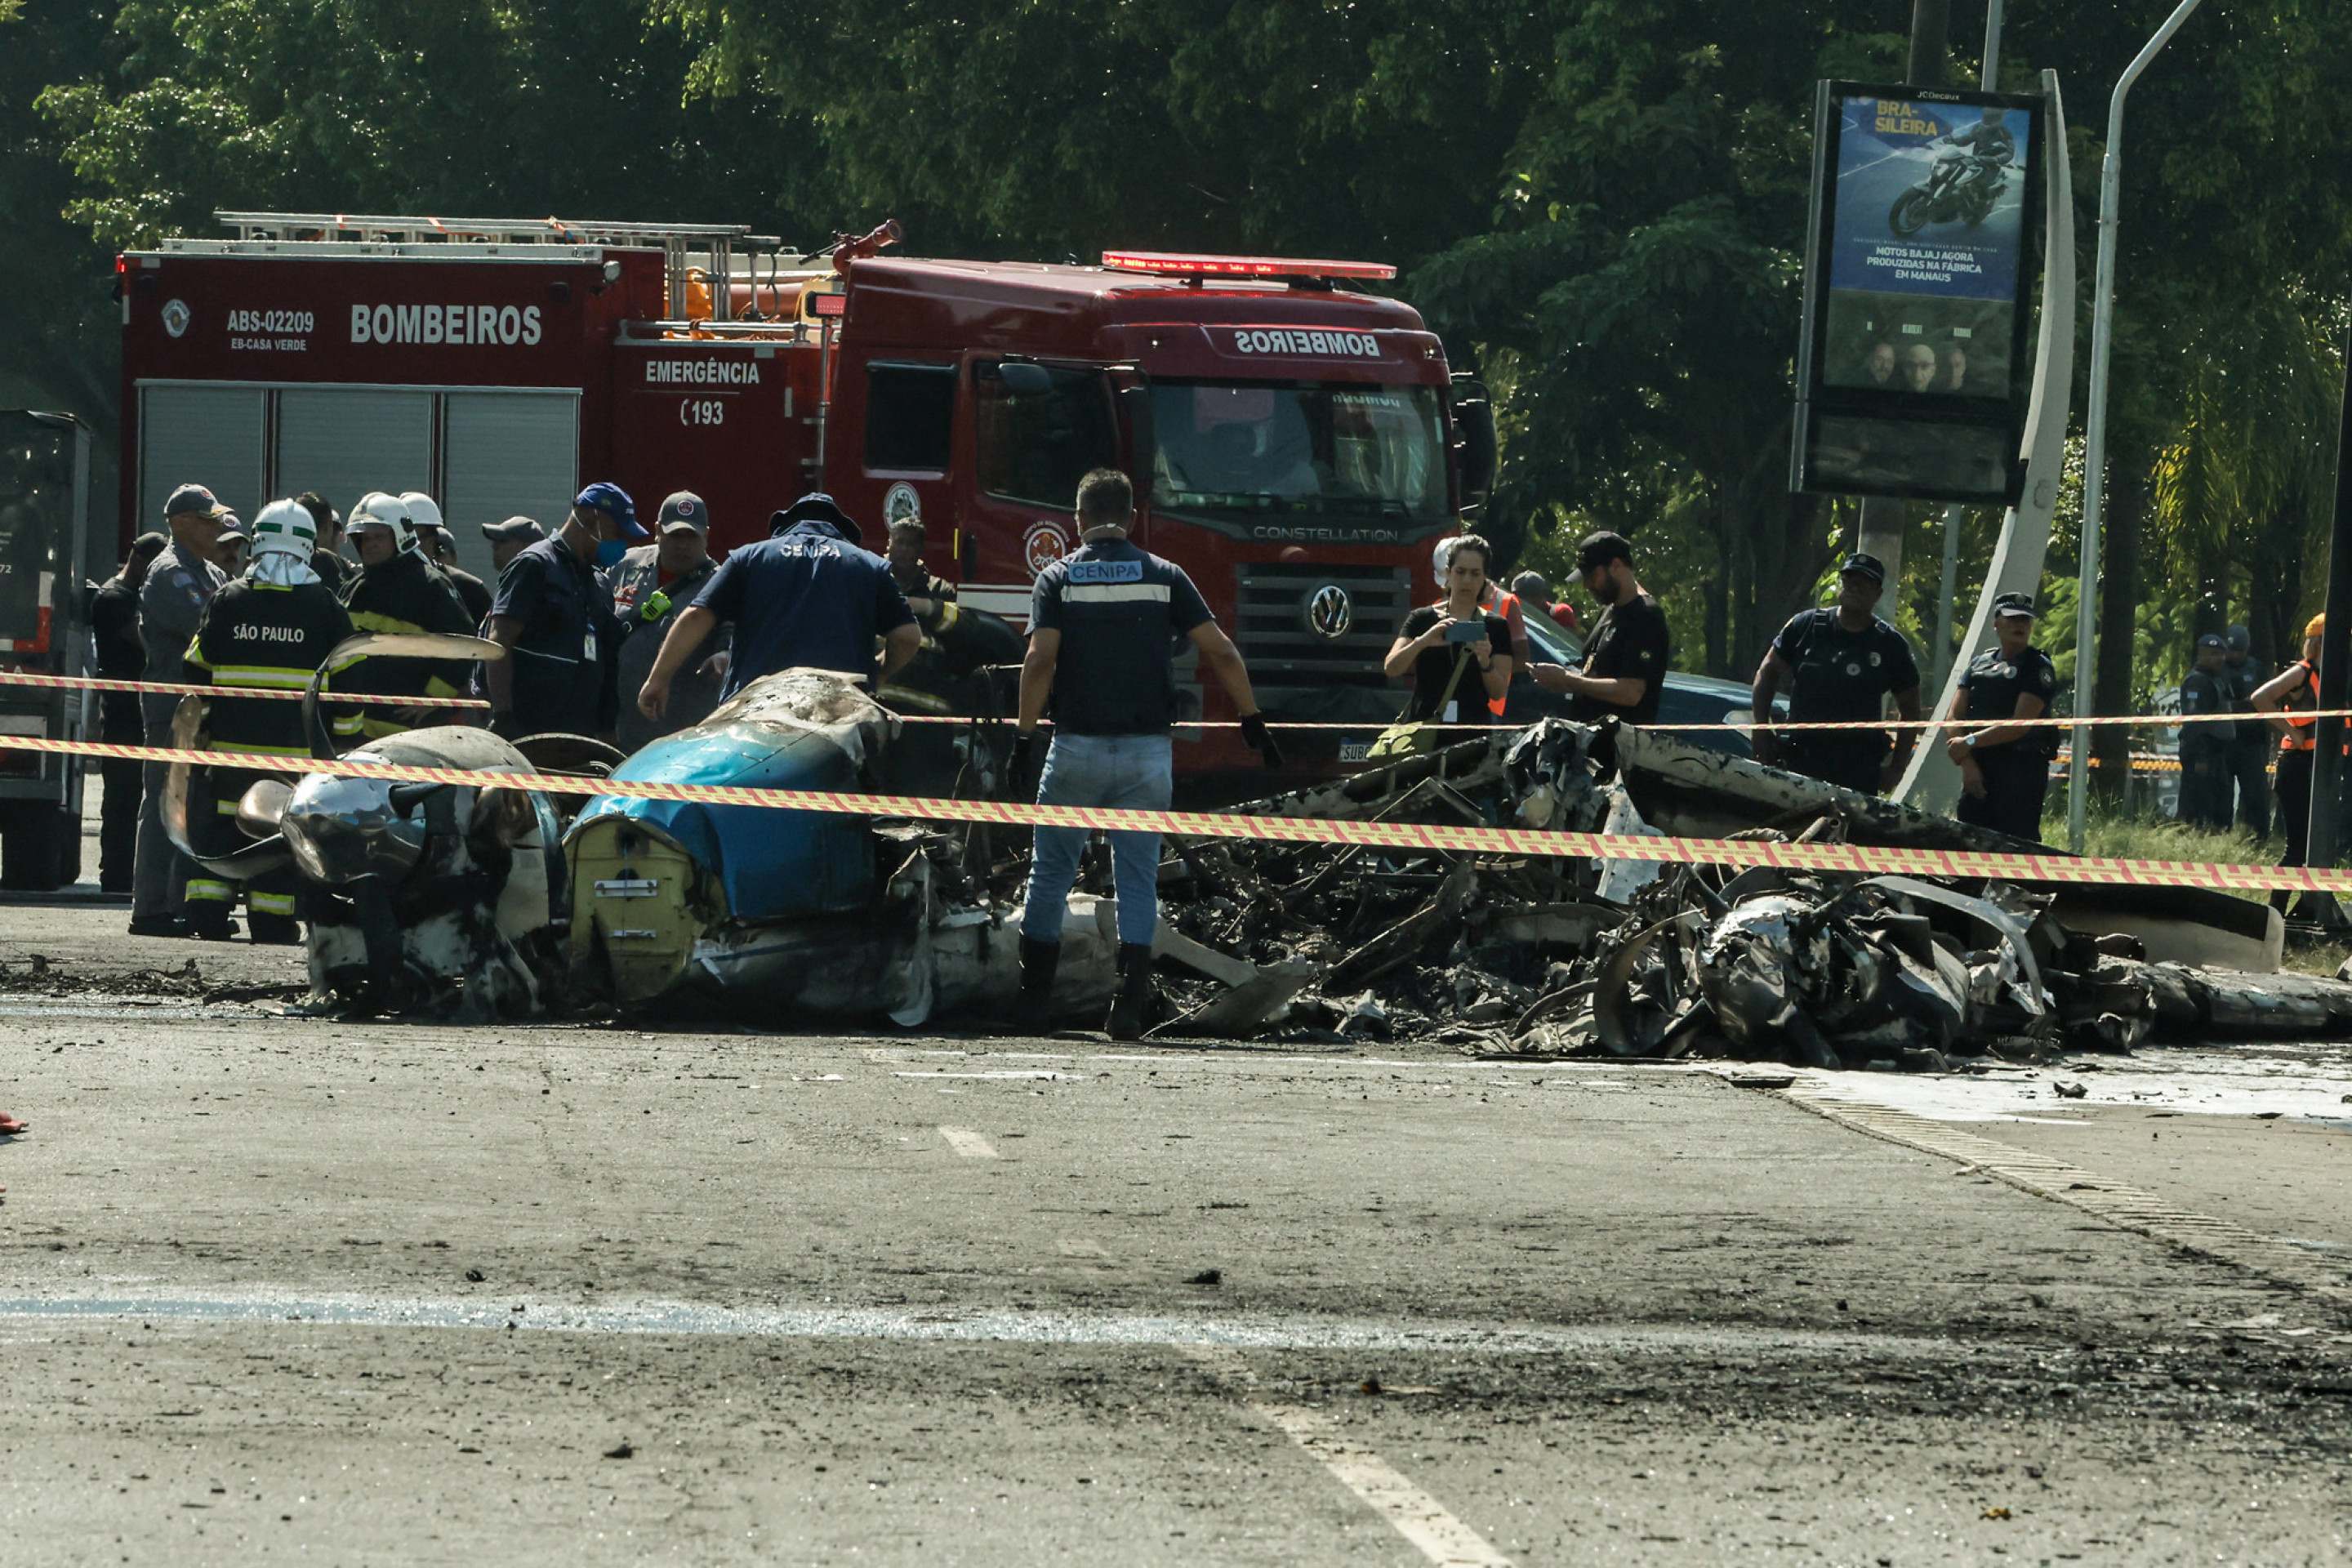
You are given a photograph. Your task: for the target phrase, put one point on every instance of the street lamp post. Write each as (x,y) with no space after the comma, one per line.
(2095,462)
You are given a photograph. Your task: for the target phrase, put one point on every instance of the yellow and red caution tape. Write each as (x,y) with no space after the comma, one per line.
(1461,839)
(190,689)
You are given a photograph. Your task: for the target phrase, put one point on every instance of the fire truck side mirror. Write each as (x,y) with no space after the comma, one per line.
(1475,439)
(1135,404)
(1022,379)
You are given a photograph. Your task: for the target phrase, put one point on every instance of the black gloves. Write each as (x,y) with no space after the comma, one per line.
(1255,736)
(1021,768)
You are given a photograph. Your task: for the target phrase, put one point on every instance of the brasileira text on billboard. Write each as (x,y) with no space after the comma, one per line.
(1913,363)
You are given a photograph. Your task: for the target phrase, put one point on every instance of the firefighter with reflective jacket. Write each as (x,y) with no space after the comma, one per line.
(269,631)
(397,591)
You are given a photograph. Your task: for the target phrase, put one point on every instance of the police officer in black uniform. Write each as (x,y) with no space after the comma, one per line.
(2205,748)
(121,656)
(2250,746)
(266,631)
(2004,766)
(1845,662)
(562,674)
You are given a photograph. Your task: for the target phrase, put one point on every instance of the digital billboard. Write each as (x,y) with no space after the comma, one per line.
(1913,369)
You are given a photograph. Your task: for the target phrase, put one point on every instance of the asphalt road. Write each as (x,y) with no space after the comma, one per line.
(380,1293)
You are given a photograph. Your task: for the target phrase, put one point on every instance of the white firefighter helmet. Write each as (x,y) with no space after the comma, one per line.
(285,528)
(378,510)
(423,510)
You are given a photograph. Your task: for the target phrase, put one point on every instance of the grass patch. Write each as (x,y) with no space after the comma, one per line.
(2112,836)
(2119,837)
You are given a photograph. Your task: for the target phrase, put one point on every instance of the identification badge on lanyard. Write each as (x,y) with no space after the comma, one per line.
(588,645)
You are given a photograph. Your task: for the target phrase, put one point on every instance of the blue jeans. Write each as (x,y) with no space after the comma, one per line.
(1131,771)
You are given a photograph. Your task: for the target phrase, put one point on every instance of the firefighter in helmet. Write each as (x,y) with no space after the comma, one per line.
(396,590)
(268,631)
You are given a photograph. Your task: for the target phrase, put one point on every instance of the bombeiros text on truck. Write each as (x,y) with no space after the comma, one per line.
(1297,440)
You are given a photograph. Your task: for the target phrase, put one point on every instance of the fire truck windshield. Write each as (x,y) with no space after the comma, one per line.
(1373,456)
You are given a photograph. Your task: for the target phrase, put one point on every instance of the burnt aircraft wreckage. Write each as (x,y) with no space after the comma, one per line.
(417,897)
(456,897)
(813,916)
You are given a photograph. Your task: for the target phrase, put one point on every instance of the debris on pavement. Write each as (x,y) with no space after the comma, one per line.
(740,910)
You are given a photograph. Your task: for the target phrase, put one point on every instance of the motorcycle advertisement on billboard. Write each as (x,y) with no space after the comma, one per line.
(1913,373)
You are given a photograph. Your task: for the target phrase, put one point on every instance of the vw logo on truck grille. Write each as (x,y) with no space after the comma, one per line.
(1330,612)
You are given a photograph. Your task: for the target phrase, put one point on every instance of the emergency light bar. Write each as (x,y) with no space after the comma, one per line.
(1173,264)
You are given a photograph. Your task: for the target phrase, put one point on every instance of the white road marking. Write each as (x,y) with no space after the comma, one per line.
(24,1320)
(1410,1511)
(968,1144)
(1032,1074)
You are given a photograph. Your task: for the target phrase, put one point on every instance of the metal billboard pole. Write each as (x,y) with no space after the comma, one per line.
(1940,656)
(2095,465)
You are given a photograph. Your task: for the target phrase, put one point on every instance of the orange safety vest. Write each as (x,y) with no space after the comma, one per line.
(2301,732)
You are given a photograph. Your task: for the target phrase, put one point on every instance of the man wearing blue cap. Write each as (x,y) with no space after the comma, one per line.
(807,595)
(556,621)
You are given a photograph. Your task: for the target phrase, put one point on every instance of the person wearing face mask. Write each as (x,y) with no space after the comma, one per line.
(554,617)
(808,596)
(652,583)
(1625,659)
(397,591)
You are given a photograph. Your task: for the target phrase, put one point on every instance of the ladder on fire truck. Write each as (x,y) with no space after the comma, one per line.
(713,246)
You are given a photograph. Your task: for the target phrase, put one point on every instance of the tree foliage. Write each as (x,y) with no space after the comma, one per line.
(1599,203)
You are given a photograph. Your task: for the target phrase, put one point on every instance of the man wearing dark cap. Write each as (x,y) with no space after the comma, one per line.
(652,583)
(1626,658)
(555,620)
(1842,662)
(232,547)
(2004,765)
(511,539)
(2250,741)
(2205,748)
(806,595)
(172,601)
(114,626)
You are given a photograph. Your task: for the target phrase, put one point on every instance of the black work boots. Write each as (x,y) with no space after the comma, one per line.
(1034,1006)
(1130,1009)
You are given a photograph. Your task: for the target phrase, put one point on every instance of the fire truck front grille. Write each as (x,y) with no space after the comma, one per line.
(1287,615)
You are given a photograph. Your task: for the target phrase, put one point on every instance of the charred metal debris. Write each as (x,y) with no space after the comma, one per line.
(1548,956)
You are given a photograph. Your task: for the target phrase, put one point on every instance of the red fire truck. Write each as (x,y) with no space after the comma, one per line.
(1298,440)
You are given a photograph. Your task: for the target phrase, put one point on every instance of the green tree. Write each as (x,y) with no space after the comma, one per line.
(470,108)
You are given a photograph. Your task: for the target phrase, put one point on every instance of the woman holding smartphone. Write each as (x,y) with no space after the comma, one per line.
(1457,654)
